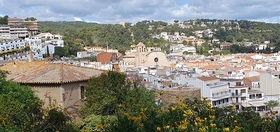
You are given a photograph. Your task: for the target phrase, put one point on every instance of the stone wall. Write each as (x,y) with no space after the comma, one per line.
(169,96)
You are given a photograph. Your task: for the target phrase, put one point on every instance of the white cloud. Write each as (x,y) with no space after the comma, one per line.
(114,11)
(89,21)
(77,19)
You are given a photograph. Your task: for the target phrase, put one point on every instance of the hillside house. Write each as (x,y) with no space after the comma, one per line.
(53,81)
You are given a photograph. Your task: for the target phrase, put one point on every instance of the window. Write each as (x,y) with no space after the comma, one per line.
(82,88)
(243,90)
(238,83)
(236,100)
(214,103)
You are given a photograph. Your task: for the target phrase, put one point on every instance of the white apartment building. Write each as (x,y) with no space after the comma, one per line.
(55,42)
(270,85)
(24,55)
(180,48)
(217,92)
(48,38)
(13,32)
(255,100)
(11,45)
(243,96)
(239,95)
(33,40)
(45,36)
(42,48)
(5,32)
(19,31)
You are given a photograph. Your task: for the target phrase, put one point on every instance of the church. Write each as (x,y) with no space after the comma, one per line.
(145,56)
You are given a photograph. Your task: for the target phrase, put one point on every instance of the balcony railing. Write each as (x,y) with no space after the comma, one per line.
(220,96)
(216,85)
(222,105)
(238,95)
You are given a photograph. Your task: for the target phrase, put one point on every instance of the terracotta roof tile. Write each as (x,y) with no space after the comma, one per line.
(105,57)
(45,72)
(211,67)
(254,78)
(208,78)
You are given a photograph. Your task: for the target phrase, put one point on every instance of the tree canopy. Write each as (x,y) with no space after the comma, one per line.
(4,20)
(111,90)
(21,109)
(194,116)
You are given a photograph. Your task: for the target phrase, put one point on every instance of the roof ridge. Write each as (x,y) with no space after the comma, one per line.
(61,72)
(32,64)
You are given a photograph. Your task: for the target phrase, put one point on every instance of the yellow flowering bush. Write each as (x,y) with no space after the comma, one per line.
(192,115)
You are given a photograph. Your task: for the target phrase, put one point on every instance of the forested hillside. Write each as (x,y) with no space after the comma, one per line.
(78,34)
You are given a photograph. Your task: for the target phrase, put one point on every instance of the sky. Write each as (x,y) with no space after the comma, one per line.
(116,11)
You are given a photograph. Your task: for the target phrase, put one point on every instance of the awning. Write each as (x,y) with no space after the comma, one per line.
(246,105)
(257,103)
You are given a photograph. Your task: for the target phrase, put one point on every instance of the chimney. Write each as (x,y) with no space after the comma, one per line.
(30,57)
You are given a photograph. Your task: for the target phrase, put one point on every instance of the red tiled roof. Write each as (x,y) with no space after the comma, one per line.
(211,67)
(104,57)
(207,78)
(48,73)
(253,79)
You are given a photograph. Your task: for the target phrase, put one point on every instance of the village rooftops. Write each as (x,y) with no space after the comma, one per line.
(41,72)
(254,78)
(208,78)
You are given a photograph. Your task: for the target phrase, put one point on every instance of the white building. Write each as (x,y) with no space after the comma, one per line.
(42,48)
(11,45)
(190,49)
(55,42)
(274,58)
(270,85)
(180,48)
(82,54)
(19,31)
(45,36)
(5,32)
(13,32)
(24,55)
(33,40)
(217,92)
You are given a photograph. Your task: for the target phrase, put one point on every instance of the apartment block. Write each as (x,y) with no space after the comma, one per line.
(270,85)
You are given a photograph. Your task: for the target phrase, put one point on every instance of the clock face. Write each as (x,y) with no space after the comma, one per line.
(156,59)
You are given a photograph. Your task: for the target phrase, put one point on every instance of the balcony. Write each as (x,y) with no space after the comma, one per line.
(255,98)
(217,85)
(222,105)
(221,96)
(238,94)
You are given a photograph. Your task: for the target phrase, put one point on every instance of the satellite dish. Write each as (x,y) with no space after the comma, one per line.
(156,59)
